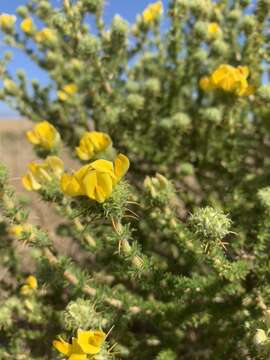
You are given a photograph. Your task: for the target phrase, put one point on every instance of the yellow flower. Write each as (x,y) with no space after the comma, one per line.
(92,143)
(40,174)
(44,135)
(90,341)
(229,79)
(95,180)
(86,343)
(17,230)
(152,12)
(27,25)
(213,30)
(46,35)
(67,92)
(206,84)
(30,285)
(7,21)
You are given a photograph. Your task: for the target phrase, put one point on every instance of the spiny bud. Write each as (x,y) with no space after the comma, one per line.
(132,86)
(137,262)
(186,169)
(212,114)
(219,47)
(135,101)
(248,23)
(264,92)
(235,15)
(200,55)
(210,223)
(264,197)
(119,26)
(201,7)
(88,46)
(93,6)
(200,29)
(152,86)
(81,314)
(22,11)
(181,121)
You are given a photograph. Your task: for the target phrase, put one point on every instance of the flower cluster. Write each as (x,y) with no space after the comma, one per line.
(86,343)
(229,79)
(152,12)
(95,180)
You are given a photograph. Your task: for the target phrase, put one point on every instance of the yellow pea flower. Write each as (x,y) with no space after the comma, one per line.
(40,174)
(213,30)
(67,92)
(30,285)
(73,351)
(86,343)
(7,21)
(229,79)
(27,25)
(46,35)
(95,180)
(17,230)
(206,84)
(152,12)
(44,135)
(90,341)
(92,143)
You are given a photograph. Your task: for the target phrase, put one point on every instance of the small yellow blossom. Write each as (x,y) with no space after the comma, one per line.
(27,25)
(44,135)
(86,343)
(92,143)
(30,285)
(7,21)
(229,79)
(40,174)
(213,30)
(67,92)
(152,12)
(95,180)
(46,35)
(18,230)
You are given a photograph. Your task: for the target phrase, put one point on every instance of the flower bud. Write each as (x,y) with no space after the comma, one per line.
(186,169)
(264,92)
(93,6)
(210,223)
(88,46)
(152,86)
(181,121)
(135,101)
(200,29)
(264,197)
(219,47)
(248,23)
(212,114)
(22,11)
(260,338)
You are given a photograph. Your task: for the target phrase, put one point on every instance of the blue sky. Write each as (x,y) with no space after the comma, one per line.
(128,9)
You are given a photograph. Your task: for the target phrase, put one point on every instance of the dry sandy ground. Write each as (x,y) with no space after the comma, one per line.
(16,153)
